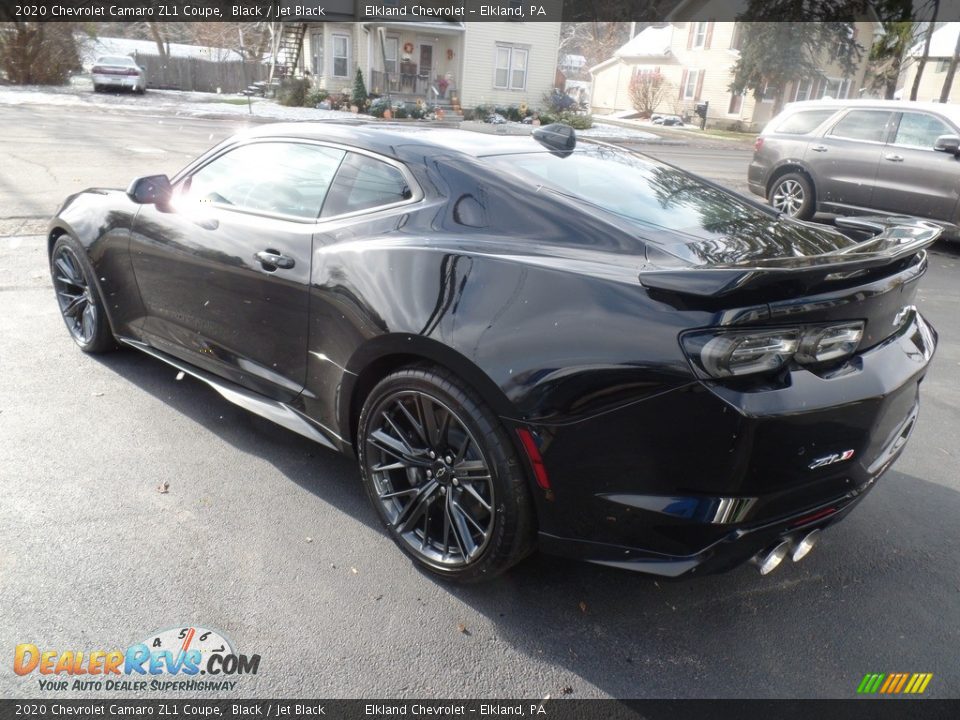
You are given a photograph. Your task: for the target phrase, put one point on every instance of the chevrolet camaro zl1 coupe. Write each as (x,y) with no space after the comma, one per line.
(525,342)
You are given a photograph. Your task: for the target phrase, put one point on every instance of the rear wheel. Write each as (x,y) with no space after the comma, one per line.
(443,475)
(792,194)
(78,297)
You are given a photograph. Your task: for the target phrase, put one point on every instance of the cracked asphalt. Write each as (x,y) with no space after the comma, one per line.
(270,540)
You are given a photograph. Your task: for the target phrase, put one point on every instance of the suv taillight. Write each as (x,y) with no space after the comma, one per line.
(757,144)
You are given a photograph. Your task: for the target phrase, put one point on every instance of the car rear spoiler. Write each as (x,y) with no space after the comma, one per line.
(897,238)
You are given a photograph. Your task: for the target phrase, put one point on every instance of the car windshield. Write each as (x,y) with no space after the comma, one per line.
(640,190)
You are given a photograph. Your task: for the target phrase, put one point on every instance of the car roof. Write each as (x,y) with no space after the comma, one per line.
(399,139)
(945,109)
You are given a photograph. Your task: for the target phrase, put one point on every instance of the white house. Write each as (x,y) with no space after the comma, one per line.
(942,46)
(489,63)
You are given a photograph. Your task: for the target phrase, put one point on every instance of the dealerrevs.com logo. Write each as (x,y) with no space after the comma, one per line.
(184,658)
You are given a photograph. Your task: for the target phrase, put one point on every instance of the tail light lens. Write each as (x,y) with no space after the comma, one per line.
(131,71)
(726,353)
(98,69)
(758,144)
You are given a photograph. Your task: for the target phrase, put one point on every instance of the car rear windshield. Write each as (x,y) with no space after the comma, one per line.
(640,190)
(115,61)
(803,122)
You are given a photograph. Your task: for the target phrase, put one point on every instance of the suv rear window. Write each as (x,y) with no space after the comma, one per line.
(803,122)
(863,125)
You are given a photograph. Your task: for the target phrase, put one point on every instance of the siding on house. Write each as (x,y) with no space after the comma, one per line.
(714,62)
(541,39)
(931,82)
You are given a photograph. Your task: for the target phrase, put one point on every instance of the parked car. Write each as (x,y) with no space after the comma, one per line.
(118,71)
(668,120)
(854,157)
(523,340)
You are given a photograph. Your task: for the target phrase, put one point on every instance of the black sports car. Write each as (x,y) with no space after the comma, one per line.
(524,341)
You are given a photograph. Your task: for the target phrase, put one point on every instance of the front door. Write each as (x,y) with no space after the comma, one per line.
(224,272)
(913,178)
(426,62)
(844,160)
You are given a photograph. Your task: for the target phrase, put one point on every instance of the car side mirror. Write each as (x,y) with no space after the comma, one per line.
(150,190)
(948,144)
(557,138)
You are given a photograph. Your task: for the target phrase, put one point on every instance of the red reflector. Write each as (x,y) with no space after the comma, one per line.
(530,446)
(816,516)
(757,144)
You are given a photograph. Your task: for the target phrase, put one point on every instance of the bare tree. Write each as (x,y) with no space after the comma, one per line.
(596,41)
(951,71)
(922,60)
(647,91)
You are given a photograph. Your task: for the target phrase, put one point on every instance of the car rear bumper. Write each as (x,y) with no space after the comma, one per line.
(757,178)
(702,478)
(126,81)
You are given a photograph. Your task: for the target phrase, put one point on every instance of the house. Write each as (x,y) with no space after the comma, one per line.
(445,62)
(696,60)
(942,46)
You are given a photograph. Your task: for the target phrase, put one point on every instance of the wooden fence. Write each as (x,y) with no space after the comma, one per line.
(178,73)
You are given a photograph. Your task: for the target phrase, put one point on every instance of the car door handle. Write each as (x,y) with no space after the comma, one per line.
(893,158)
(272,259)
(819,148)
(207,223)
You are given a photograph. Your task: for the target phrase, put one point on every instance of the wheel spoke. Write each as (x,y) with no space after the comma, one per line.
(398,493)
(74,305)
(408,517)
(476,496)
(390,445)
(456,506)
(414,423)
(69,273)
(461,531)
(451,528)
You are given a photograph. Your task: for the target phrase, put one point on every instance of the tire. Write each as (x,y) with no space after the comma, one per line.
(469,516)
(97,88)
(78,297)
(792,194)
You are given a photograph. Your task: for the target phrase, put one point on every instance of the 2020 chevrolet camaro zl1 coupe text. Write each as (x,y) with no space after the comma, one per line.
(524,341)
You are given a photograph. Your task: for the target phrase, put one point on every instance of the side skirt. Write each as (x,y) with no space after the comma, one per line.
(272,410)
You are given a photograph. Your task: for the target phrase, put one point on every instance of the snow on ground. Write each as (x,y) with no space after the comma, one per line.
(79,94)
(175,103)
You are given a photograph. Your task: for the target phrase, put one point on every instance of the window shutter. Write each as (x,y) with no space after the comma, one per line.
(706,43)
(683,82)
(699,85)
(693,27)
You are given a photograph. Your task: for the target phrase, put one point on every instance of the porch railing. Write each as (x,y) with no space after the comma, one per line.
(419,86)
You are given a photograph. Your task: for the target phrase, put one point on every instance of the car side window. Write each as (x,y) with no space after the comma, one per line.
(363,183)
(920,130)
(284,178)
(803,122)
(863,125)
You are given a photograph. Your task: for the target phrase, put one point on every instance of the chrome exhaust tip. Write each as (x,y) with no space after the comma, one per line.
(768,560)
(803,548)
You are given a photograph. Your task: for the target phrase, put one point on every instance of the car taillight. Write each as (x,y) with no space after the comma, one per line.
(726,353)
(131,71)
(98,69)
(757,144)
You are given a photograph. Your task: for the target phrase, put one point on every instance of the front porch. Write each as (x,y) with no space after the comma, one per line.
(416,61)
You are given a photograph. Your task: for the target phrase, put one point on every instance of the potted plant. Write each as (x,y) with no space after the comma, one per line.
(442,85)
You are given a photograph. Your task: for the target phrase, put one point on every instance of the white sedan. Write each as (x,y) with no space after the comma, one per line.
(118,72)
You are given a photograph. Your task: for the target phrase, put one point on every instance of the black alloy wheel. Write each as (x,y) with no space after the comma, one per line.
(443,476)
(78,298)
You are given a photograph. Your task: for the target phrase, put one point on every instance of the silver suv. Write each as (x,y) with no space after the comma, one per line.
(856,157)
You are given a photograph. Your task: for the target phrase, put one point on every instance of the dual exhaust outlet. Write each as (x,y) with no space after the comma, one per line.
(768,560)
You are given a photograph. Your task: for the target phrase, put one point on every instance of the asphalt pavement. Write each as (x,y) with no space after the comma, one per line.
(269,538)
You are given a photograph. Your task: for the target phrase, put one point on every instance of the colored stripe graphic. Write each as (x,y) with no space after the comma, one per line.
(894,683)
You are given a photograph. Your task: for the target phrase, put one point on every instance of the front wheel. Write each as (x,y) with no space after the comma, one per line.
(443,475)
(792,195)
(78,297)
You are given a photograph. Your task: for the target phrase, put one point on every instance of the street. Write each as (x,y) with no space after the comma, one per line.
(270,540)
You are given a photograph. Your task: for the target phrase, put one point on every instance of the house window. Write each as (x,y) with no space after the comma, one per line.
(803,90)
(316,52)
(942,65)
(511,68)
(391,53)
(836,88)
(700,35)
(690,85)
(341,55)
(736,103)
(768,93)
